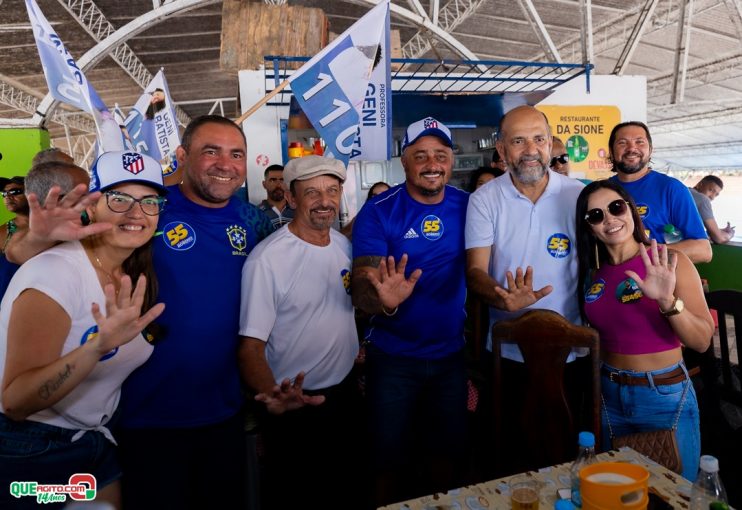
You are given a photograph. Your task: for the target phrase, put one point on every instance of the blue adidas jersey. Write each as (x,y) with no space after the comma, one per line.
(430,323)
(192,377)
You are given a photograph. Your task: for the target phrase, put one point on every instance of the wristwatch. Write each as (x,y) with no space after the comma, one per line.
(677,307)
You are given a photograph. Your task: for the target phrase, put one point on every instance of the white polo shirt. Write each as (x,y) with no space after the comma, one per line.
(522,234)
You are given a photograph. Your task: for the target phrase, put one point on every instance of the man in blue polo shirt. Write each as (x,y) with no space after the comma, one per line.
(663,201)
(416,333)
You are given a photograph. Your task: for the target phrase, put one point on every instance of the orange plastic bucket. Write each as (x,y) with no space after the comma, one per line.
(613,486)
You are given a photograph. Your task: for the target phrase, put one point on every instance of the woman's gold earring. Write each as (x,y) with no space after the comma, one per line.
(597,258)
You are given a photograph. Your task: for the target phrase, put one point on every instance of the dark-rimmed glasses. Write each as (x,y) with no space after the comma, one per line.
(11,192)
(615,208)
(563,159)
(118,202)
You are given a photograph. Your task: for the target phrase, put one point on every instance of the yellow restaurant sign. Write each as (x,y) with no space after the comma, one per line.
(584,131)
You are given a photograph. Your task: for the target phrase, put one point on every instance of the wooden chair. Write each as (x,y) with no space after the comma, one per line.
(550,426)
(727,302)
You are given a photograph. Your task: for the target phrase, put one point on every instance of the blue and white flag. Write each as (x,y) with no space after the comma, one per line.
(67,83)
(332,88)
(152,125)
(374,138)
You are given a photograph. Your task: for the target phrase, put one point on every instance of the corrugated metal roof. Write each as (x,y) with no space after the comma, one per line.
(709,118)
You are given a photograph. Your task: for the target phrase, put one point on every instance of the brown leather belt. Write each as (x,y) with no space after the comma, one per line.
(641,379)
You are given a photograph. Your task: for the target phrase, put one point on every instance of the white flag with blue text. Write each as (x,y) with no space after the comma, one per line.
(67,83)
(152,124)
(374,138)
(332,88)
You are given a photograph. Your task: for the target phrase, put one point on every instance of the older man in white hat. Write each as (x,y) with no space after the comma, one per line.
(299,342)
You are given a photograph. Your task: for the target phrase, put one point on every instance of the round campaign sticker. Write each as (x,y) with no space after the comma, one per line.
(558,245)
(91,333)
(628,292)
(178,236)
(595,291)
(643,210)
(345,275)
(432,227)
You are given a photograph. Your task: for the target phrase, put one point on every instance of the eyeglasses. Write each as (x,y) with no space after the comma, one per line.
(11,192)
(563,159)
(615,208)
(118,202)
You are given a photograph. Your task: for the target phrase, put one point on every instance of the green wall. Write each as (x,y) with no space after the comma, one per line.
(18,146)
(725,269)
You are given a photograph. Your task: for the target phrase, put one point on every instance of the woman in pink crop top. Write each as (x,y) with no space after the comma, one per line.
(647,303)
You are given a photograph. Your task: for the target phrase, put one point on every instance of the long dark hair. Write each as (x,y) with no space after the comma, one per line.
(588,246)
(140,263)
(156,106)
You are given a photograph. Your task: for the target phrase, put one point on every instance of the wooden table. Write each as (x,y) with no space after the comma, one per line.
(495,494)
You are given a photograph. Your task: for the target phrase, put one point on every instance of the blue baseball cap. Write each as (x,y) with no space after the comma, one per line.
(426,127)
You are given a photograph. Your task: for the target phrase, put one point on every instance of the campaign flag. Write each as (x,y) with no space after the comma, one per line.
(374,138)
(67,83)
(152,125)
(332,87)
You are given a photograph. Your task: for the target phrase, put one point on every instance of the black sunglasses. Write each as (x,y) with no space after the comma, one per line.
(563,159)
(615,208)
(11,192)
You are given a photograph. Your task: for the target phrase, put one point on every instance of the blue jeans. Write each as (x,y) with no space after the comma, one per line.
(633,409)
(37,452)
(415,401)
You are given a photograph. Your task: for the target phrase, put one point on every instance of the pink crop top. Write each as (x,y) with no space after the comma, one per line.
(628,322)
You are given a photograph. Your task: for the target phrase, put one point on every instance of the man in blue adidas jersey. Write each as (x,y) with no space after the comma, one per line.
(181,428)
(416,380)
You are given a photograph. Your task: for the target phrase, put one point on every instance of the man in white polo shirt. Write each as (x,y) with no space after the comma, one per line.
(523,223)
(520,232)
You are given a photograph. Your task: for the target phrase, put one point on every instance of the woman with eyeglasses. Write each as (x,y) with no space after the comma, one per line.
(72,327)
(647,303)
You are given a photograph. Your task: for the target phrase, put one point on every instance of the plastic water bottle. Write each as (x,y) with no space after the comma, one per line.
(707,488)
(585,456)
(672,234)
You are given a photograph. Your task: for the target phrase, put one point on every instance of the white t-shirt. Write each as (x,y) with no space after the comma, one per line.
(522,234)
(65,274)
(296,297)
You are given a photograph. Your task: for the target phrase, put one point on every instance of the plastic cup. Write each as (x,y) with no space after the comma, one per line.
(524,493)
